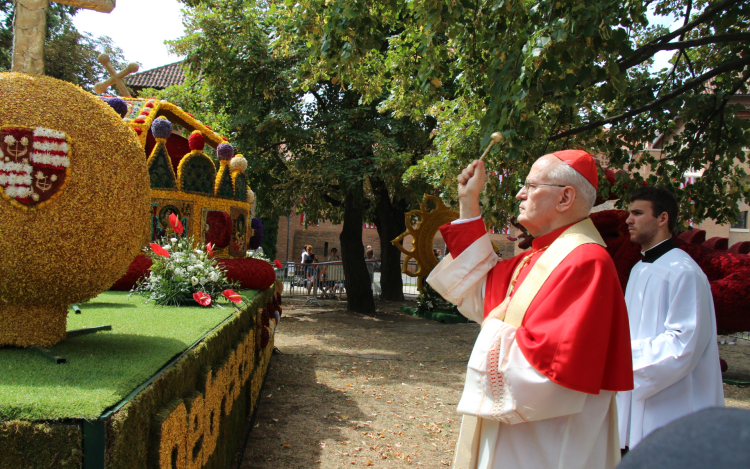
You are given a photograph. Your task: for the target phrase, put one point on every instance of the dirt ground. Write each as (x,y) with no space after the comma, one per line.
(352,390)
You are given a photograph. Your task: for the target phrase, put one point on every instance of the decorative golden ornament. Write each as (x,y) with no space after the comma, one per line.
(78,242)
(423,234)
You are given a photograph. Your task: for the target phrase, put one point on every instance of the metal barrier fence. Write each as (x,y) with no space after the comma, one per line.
(325,280)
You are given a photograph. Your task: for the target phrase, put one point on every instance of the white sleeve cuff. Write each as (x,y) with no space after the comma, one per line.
(452,278)
(465,220)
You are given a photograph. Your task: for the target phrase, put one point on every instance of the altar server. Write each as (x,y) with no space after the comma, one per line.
(554,344)
(672,325)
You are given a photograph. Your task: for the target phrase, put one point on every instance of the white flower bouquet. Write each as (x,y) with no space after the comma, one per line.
(181,274)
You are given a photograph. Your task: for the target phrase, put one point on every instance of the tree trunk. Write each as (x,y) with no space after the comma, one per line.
(357,279)
(389,220)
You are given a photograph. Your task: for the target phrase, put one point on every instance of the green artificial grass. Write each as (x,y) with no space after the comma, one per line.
(104,367)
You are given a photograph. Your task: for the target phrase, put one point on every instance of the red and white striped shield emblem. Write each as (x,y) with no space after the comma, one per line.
(33,163)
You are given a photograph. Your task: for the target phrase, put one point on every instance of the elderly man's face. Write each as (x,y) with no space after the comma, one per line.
(538,202)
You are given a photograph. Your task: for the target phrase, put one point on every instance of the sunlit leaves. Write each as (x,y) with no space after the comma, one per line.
(537,70)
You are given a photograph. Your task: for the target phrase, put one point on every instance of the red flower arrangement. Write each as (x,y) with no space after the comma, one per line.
(727,270)
(250,273)
(742,247)
(277,264)
(176,224)
(210,249)
(610,223)
(137,269)
(265,337)
(159,250)
(220,232)
(196,140)
(265,317)
(232,296)
(203,299)
(717,243)
(276,304)
(255,274)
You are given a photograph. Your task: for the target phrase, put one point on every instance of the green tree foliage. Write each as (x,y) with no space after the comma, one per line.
(68,54)
(549,74)
(320,147)
(270,236)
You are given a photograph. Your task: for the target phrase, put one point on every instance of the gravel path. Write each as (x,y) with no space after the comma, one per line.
(352,390)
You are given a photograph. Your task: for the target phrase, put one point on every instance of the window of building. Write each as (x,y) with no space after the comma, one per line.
(741,223)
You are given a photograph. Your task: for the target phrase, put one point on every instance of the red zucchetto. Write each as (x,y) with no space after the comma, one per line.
(581,162)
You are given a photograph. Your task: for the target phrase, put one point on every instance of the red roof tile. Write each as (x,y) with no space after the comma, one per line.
(159,77)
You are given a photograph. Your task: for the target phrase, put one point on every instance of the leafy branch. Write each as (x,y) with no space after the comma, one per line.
(687,86)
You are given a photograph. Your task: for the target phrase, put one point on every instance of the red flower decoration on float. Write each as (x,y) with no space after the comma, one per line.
(231,296)
(176,224)
(210,249)
(277,264)
(196,141)
(203,299)
(159,250)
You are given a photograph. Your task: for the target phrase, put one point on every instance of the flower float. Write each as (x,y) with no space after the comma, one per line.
(727,271)
(176,224)
(202,298)
(72,194)
(257,238)
(180,273)
(232,296)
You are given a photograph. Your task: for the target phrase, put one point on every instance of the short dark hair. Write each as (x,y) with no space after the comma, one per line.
(334,249)
(661,200)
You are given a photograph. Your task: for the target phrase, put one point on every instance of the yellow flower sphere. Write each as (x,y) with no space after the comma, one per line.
(75,240)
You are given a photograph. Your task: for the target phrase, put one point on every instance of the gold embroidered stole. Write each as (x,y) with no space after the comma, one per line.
(472,427)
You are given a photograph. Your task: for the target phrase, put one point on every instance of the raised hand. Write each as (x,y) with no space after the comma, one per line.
(470,184)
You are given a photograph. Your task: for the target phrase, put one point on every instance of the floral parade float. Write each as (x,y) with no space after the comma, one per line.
(213,205)
(73,194)
(83,191)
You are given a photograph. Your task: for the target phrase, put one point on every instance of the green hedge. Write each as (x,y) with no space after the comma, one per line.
(447,317)
(131,429)
(270,236)
(40,445)
(130,433)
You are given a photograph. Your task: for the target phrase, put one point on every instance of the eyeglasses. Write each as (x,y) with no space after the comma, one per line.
(528,185)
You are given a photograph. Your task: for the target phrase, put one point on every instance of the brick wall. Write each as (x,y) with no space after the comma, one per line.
(328,233)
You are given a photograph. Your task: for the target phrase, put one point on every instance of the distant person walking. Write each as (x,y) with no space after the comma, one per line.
(372,266)
(308,258)
(335,273)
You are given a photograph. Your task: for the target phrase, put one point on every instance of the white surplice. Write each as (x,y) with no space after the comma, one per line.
(675,354)
(543,424)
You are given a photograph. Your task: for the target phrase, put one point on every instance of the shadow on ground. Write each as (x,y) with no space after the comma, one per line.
(296,414)
(353,390)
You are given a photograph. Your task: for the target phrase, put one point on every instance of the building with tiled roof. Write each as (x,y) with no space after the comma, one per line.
(159,78)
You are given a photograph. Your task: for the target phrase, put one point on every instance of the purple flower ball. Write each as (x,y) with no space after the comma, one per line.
(225,151)
(257,238)
(161,128)
(119,105)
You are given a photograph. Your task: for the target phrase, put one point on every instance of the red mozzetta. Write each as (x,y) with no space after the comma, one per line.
(575,331)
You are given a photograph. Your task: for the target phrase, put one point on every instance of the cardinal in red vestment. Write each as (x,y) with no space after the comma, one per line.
(554,345)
